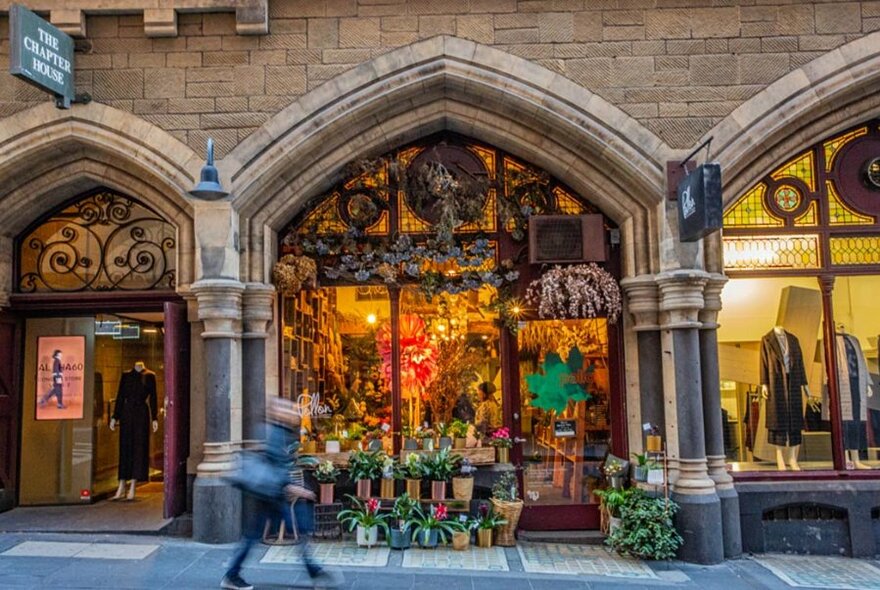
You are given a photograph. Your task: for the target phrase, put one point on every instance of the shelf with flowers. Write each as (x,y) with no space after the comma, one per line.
(501,440)
(365,518)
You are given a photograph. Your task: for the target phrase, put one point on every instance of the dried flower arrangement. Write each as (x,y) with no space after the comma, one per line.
(292,272)
(577,291)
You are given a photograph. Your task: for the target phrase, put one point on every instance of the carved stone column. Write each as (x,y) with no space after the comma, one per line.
(216,504)
(712,423)
(258,303)
(681,299)
(642,302)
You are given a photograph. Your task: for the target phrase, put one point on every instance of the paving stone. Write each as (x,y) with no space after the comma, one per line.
(838,573)
(553,558)
(445,558)
(336,553)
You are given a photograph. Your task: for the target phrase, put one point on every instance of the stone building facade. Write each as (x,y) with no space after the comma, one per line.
(600,93)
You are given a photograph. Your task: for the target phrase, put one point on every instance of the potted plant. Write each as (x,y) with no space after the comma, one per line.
(463,482)
(326,474)
(646,530)
(331,444)
(612,499)
(445,432)
(355,435)
(614,469)
(485,522)
(386,484)
(461,539)
(365,517)
(363,468)
(432,526)
(401,513)
(438,468)
(373,440)
(412,471)
(459,430)
(506,501)
(640,467)
(426,435)
(409,439)
(502,442)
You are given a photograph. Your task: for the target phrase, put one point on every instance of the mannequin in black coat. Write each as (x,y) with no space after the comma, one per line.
(136,404)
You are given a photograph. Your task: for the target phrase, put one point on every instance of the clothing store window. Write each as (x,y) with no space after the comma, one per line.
(772,375)
(802,249)
(857,325)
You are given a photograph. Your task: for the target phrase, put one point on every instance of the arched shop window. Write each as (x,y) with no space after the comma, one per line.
(448,327)
(798,330)
(102,241)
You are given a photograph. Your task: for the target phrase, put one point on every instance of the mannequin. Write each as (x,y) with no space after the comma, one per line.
(783,385)
(854,384)
(134,408)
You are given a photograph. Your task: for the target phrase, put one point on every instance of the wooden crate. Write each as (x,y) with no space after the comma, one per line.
(326,524)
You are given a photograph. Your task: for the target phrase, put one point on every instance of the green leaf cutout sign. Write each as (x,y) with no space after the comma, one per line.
(555,387)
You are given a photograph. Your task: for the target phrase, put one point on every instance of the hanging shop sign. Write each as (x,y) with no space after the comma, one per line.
(60,377)
(699,203)
(41,54)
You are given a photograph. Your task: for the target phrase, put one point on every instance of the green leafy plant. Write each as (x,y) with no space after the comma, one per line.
(506,488)
(411,468)
(486,518)
(365,464)
(436,518)
(363,513)
(441,465)
(326,472)
(646,530)
(443,429)
(356,431)
(403,509)
(459,428)
(613,499)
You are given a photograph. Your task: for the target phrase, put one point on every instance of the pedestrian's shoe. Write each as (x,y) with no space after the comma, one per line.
(62,407)
(234,583)
(326,580)
(42,403)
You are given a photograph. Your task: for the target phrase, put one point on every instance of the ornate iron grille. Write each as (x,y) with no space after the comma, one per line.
(102,242)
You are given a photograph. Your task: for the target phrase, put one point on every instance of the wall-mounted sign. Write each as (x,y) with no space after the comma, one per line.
(699,203)
(564,428)
(872,173)
(40,54)
(60,377)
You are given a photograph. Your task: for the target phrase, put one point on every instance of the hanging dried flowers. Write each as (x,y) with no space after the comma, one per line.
(578,291)
(292,272)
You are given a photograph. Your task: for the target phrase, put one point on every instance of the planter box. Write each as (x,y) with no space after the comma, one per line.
(367,537)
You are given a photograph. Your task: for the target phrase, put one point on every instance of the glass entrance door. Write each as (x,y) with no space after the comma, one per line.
(565,392)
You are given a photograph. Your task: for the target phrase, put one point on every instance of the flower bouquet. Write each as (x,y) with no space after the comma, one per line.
(500,439)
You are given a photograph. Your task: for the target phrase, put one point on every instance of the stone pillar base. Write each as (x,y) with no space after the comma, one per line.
(216,511)
(730,520)
(697,521)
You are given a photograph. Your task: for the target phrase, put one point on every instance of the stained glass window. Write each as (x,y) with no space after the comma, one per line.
(751,211)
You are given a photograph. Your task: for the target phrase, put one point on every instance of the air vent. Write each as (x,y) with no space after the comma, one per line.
(566,238)
(808,511)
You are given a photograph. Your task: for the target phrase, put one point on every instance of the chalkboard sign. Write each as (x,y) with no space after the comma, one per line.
(564,428)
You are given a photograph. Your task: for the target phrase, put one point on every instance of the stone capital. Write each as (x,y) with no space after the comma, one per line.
(712,300)
(681,298)
(642,301)
(219,459)
(219,306)
(257,309)
(717,469)
(693,478)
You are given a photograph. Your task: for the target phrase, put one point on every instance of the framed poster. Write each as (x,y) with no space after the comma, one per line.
(60,377)
(564,428)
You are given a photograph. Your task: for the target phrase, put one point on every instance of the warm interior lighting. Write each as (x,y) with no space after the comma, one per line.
(150,331)
(371,319)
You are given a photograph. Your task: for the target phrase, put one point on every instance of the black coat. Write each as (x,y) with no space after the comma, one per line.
(785,406)
(136,391)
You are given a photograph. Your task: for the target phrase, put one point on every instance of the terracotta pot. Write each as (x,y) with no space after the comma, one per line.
(326,493)
(463,488)
(461,540)
(364,490)
(367,537)
(459,443)
(484,538)
(502,454)
(386,488)
(414,488)
(332,446)
(438,490)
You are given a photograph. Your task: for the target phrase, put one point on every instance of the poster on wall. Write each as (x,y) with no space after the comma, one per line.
(60,377)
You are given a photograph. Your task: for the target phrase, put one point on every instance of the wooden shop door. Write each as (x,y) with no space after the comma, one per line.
(177,406)
(10,337)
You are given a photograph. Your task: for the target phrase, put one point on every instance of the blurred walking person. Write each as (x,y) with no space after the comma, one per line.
(265,478)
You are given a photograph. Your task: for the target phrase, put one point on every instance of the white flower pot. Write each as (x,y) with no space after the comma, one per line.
(367,537)
(332,446)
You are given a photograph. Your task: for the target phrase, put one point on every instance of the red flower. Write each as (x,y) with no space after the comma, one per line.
(441,513)
(484,509)
(372,505)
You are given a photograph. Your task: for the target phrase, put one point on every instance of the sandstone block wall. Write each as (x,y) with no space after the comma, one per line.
(678,66)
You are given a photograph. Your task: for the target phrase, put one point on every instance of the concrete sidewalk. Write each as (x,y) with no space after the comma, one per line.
(140,562)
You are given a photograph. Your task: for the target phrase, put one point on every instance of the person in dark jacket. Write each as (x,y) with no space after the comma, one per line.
(57,390)
(280,451)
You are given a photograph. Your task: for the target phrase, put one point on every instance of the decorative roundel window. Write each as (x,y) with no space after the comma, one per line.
(872,173)
(787,197)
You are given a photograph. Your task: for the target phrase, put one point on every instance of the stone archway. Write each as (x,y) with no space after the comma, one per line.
(447,83)
(48,155)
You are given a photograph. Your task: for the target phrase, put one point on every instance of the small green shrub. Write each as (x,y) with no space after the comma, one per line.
(646,530)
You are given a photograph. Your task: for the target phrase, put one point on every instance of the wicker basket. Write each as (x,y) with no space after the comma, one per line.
(509,511)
